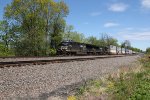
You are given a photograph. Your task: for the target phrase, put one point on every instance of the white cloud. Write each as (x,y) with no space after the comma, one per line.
(118,7)
(110,24)
(146,3)
(136,35)
(95,14)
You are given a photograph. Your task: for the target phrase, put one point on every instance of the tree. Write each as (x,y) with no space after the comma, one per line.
(113,41)
(75,36)
(37,25)
(58,23)
(107,40)
(67,33)
(135,49)
(126,44)
(93,40)
(5,34)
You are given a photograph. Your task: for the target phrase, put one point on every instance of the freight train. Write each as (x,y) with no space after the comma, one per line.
(75,48)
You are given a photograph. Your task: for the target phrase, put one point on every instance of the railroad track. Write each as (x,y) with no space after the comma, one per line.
(42,62)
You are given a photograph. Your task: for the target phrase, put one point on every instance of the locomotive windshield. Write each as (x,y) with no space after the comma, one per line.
(64,44)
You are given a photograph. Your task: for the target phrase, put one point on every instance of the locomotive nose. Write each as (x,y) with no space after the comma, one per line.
(62,50)
(64,47)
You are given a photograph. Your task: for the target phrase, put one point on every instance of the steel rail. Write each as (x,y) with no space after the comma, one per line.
(42,62)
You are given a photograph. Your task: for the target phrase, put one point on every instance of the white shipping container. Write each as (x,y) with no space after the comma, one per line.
(113,49)
(130,51)
(123,50)
(119,50)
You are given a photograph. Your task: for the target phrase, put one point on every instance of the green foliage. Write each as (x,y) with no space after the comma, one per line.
(93,40)
(52,52)
(36,26)
(75,36)
(126,44)
(107,40)
(134,86)
(137,88)
(5,51)
(145,61)
(135,49)
(130,86)
(90,86)
(5,33)
(96,83)
(146,64)
(148,50)
(32,27)
(81,90)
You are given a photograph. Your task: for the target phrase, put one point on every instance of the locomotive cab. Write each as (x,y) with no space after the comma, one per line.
(71,48)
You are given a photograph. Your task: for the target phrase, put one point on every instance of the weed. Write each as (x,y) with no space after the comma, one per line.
(133,86)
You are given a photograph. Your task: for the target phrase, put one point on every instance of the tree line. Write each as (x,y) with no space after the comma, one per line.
(36,27)
(103,40)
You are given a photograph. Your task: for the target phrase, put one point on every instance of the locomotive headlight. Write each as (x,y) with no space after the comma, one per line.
(64,47)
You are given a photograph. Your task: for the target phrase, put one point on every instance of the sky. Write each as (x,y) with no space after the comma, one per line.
(121,19)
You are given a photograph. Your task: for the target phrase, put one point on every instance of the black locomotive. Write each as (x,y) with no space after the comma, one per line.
(75,48)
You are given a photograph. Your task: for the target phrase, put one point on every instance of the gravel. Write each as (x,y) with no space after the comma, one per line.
(43,82)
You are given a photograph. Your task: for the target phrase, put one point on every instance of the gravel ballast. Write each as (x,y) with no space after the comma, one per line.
(39,82)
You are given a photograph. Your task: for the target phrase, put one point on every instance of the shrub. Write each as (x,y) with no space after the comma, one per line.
(148,50)
(5,51)
(52,52)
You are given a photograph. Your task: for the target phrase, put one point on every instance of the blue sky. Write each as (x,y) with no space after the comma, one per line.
(122,19)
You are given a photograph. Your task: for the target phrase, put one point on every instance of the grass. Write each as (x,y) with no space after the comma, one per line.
(133,86)
(129,84)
